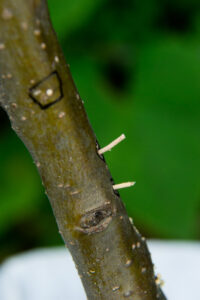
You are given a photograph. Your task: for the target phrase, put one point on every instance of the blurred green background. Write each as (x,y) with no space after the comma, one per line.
(137,67)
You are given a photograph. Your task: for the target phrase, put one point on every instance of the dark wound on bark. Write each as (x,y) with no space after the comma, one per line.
(96,220)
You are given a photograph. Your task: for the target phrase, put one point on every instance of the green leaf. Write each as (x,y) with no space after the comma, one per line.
(67,16)
(20,185)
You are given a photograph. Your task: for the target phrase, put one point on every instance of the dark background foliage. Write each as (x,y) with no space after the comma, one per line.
(137,67)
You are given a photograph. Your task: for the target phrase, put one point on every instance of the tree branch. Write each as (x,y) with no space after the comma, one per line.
(45,110)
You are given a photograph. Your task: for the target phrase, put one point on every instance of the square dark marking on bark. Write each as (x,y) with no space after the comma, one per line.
(47,91)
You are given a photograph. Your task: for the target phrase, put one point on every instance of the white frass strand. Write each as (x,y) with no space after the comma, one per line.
(112,144)
(123,185)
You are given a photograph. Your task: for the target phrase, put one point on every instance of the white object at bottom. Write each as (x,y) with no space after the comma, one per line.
(50,274)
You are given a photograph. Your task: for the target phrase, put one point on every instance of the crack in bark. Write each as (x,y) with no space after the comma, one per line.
(96,220)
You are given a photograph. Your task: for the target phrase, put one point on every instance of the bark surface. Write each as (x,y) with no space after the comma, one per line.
(45,109)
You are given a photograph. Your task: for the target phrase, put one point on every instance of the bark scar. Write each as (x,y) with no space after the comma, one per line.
(47,91)
(96,220)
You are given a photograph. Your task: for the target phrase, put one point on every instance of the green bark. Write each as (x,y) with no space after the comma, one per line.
(45,110)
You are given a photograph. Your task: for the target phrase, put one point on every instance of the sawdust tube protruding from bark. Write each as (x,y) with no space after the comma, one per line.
(45,109)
